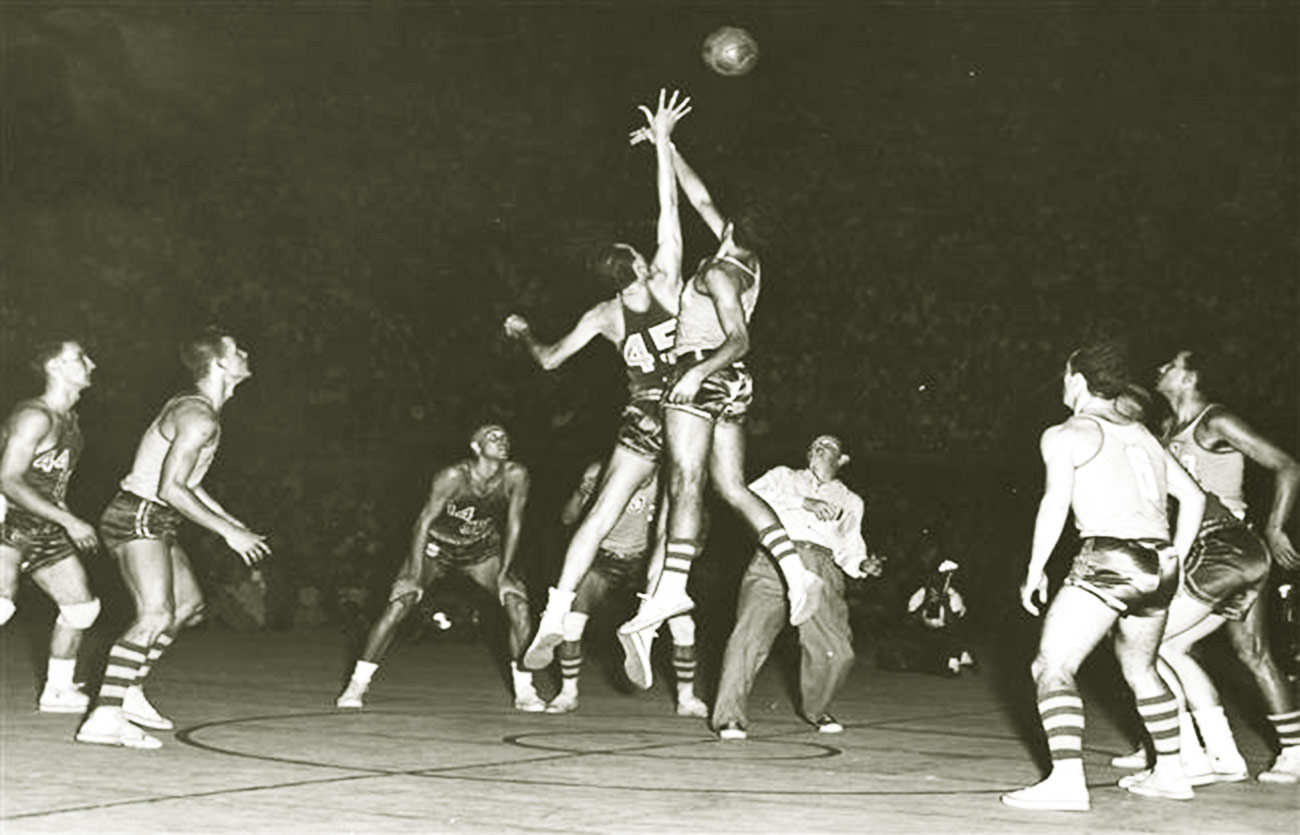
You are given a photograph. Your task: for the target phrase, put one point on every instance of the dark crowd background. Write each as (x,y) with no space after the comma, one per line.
(962,193)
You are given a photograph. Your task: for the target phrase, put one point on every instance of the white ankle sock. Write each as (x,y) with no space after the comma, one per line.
(59,672)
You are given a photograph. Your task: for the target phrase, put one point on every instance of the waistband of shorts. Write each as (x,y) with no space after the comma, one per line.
(1223,524)
(131,496)
(698,355)
(814,546)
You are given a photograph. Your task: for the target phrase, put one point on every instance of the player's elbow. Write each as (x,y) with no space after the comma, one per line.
(169,492)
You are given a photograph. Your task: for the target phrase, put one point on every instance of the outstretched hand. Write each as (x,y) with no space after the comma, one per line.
(661,121)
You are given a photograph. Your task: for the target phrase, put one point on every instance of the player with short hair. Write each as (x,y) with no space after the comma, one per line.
(1225,575)
(139,527)
(469,525)
(1103,464)
(39,535)
(641,321)
(704,411)
(623,562)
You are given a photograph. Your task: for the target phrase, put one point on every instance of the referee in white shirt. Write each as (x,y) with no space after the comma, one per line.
(824,519)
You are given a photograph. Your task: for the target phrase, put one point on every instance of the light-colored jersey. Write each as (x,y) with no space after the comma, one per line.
(1221,472)
(146,470)
(1121,491)
(631,533)
(698,328)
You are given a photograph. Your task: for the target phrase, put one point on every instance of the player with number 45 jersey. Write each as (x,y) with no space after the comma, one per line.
(641,321)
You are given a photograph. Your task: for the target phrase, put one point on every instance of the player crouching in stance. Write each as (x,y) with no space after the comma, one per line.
(39,536)
(470,526)
(1105,465)
(139,528)
(622,563)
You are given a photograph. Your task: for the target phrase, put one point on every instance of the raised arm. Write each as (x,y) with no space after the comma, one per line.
(666,266)
(598,321)
(698,194)
(195,427)
(27,428)
(1286,479)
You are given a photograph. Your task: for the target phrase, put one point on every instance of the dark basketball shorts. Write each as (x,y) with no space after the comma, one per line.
(1227,569)
(1132,576)
(442,559)
(461,556)
(725,395)
(41,542)
(610,572)
(620,570)
(129,517)
(641,429)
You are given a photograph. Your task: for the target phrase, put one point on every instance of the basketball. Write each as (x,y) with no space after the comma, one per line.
(730,51)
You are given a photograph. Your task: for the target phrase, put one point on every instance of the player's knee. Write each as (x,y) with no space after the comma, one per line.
(401,604)
(193,615)
(187,614)
(1046,668)
(7,609)
(79,615)
(150,624)
(686,481)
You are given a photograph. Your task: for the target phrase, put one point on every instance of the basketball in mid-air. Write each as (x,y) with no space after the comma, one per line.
(730,50)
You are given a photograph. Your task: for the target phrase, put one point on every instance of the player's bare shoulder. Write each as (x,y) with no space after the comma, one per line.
(451,480)
(719,275)
(1074,431)
(1218,426)
(192,416)
(607,317)
(28,419)
(515,476)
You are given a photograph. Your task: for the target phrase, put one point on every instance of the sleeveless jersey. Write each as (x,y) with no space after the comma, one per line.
(1222,473)
(647,345)
(631,532)
(1120,491)
(698,328)
(51,470)
(146,470)
(469,519)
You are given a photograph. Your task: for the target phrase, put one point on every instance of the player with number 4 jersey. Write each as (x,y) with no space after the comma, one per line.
(641,321)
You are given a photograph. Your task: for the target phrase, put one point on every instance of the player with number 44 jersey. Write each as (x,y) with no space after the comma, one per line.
(641,322)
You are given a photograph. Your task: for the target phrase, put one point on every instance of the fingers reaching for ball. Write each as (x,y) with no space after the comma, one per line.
(661,121)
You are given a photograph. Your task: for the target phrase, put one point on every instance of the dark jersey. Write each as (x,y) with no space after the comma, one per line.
(51,470)
(647,345)
(470,518)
